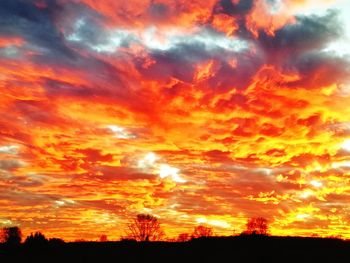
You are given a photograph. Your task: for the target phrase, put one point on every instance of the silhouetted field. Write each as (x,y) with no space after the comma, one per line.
(215,249)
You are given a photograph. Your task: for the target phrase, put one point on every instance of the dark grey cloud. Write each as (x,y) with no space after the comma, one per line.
(239,11)
(231,8)
(79,19)
(334,69)
(300,48)
(240,76)
(182,59)
(39,27)
(168,63)
(44,31)
(307,34)
(22,18)
(159,11)
(84,28)
(292,48)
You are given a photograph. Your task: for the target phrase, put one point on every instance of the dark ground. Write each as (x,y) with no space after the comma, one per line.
(218,249)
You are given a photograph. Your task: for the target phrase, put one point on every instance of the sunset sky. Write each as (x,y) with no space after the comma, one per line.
(198,112)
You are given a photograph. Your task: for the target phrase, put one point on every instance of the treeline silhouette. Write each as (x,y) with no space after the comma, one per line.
(11,237)
(142,244)
(144,228)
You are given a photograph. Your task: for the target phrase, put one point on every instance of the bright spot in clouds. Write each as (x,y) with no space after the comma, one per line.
(120,132)
(168,171)
(150,161)
(316,183)
(154,38)
(343,164)
(201,220)
(306,194)
(6,222)
(303,216)
(60,203)
(9,149)
(346,145)
(151,158)
(213,222)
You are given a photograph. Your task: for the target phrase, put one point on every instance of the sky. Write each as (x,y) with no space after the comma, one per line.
(197,112)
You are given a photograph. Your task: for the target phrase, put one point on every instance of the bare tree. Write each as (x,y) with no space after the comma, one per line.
(202,231)
(145,227)
(257,225)
(11,235)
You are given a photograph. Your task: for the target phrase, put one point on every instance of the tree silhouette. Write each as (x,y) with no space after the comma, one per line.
(145,227)
(202,231)
(183,237)
(36,239)
(11,235)
(257,225)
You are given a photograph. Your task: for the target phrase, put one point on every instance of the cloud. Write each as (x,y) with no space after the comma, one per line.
(25,198)
(9,164)
(9,149)
(93,155)
(110,173)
